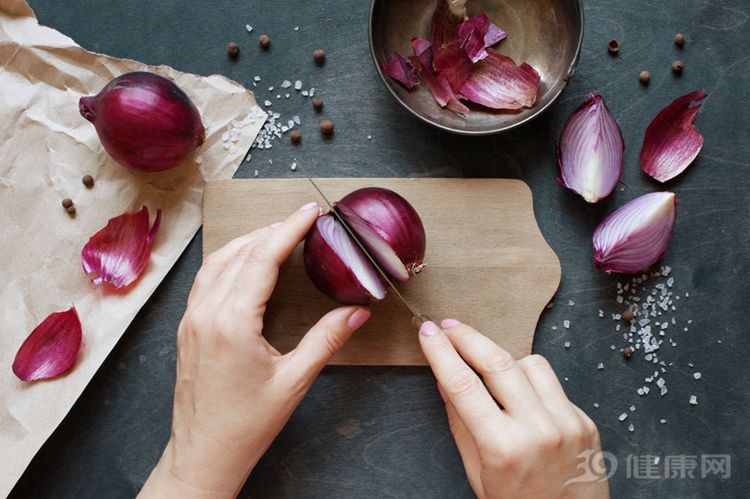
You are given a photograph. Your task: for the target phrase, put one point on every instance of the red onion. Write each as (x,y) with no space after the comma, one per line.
(636,235)
(144,121)
(51,348)
(386,225)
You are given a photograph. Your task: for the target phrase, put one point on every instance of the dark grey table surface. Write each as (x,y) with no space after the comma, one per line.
(381,432)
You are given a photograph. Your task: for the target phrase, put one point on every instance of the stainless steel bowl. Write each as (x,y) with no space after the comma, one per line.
(544,33)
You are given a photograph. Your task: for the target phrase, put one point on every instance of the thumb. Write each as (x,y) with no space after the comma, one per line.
(326,338)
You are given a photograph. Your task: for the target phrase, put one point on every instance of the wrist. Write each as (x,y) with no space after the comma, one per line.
(195,466)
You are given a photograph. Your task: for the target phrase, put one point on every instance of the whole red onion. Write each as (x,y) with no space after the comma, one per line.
(144,121)
(386,225)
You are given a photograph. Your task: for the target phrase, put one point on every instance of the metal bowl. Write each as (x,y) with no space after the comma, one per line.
(544,33)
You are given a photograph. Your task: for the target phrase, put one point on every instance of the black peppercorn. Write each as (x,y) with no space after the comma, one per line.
(88,181)
(678,66)
(326,127)
(679,39)
(627,352)
(613,46)
(644,77)
(67,203)
(628,315)
(319,56)
(264,41)
(233,49)
(317,104)
(295,136)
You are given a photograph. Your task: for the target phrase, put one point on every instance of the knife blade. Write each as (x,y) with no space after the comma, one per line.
(417,318)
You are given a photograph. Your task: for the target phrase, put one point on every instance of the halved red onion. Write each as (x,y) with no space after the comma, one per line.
(636,235)
(118,253)
(389,227)
(386,225)
(671,141)
(401,70)
(445,20)
(51,348)
(476,34)
(144,121)
(498,83)
(590,150)
(337,266)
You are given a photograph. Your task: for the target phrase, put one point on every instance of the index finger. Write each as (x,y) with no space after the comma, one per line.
(463,388)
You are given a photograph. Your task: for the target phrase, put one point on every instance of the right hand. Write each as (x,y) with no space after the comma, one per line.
(518,434)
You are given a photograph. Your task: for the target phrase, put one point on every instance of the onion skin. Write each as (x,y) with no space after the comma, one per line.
(144,121)
(392,218)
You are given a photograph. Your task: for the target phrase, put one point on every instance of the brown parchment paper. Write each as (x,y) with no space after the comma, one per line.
(45,149)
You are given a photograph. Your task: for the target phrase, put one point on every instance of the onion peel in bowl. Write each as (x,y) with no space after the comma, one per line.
(401,70)
(118,253)
(636,235)
(497,82)
(590,150)
(448,15)
(51,349)
(478,33)
(672,141)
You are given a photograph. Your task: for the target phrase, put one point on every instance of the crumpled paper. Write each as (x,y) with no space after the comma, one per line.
(45,149)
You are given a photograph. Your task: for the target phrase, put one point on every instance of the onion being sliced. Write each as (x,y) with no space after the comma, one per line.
(338,267)
(389,229)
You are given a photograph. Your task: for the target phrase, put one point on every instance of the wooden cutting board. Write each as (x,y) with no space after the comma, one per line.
(487,263)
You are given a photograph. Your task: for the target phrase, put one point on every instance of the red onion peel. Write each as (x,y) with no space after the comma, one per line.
(51,348)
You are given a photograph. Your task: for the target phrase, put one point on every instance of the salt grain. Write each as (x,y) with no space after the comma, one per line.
(600,366)
(623,416)
(697,375)
(566,324)
(693,400)
(631,428)
(256,173)
(571,302)
(567,344)
(298,85)
(248,28)
(596,405)
(267,103)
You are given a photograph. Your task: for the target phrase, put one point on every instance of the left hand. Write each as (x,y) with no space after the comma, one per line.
(234,391)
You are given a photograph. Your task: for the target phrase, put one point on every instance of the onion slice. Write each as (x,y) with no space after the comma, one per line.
(590,150)
(452,62)
(476,34)
(423,52)
(636,235)
(498,83)
(119,252)
(671,141)
(338,267)
(51,348)
(401,70)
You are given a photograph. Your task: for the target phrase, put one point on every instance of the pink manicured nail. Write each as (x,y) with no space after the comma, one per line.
(309,206)
(449,323)
(429,328)
(358,318)
(277,224)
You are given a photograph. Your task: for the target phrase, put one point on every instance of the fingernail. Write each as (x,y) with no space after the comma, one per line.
(358,318)
(277,224)
(309,206)
(442,393)
(429,328)
(449,323)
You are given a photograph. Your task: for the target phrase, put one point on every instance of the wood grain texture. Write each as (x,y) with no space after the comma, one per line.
(487,262)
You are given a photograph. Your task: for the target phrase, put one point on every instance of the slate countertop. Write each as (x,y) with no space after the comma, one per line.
(381,432)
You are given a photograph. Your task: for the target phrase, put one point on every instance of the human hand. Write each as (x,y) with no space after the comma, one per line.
(234,391)
(518,434)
